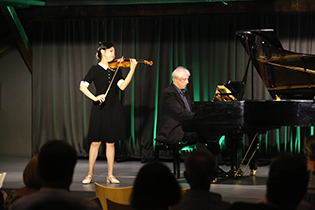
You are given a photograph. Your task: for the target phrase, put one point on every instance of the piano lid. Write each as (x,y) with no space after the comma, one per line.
(286,74)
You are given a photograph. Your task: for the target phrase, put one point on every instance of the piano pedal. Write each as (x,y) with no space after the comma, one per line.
(252,172)
(221,173)
(238,173)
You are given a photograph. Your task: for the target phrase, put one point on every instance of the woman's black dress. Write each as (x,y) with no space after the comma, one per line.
(106,120)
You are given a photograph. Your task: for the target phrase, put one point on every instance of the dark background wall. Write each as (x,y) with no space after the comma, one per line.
(16,106)
(211,51)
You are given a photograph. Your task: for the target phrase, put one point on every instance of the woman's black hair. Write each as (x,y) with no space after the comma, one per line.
(102,45)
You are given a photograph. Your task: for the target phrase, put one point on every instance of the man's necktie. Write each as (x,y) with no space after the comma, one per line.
(182,93)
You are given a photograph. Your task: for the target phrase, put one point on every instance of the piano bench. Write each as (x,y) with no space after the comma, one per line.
(176,151)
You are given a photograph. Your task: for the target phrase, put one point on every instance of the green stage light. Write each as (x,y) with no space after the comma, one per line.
(131,2)
(18,25)
(21,3)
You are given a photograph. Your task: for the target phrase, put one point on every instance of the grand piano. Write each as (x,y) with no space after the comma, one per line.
(290,79)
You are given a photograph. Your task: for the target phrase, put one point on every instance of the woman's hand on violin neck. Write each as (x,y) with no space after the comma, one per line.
(100,98)
(133,63)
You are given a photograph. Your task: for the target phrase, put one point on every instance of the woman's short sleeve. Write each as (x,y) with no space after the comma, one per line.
(89,77)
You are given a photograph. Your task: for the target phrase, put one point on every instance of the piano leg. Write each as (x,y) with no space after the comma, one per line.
(214,148)
(234,143)
(212,142)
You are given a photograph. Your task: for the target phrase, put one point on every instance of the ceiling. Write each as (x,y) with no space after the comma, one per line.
(38,9)
(28,3)
(16,15)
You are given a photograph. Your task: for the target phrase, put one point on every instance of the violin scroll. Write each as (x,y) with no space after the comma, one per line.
(150,63)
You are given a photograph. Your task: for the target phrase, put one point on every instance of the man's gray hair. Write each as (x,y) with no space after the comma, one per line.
(179,72)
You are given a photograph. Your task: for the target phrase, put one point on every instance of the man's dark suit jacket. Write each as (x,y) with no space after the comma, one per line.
(172,112)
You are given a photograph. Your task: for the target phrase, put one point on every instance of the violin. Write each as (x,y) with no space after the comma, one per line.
(126,63)
(115,64)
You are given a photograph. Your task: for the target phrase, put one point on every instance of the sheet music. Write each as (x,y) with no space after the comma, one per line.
(2,176)
(222,93)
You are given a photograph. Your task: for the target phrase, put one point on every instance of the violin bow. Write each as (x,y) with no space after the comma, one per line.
(111,82)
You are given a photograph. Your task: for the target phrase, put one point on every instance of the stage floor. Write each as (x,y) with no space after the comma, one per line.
(246,188)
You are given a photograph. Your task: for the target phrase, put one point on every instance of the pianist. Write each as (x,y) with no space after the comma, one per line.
(176,106)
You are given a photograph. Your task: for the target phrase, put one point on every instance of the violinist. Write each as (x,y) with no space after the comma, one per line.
(106,119)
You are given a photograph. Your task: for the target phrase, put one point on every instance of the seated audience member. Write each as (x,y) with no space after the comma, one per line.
(56,162)
(309,149)
(3,197)
(31,180)
(200,171)
(155,188)
(286,185)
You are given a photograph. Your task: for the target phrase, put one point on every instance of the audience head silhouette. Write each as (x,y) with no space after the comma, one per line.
(287,181)
(155,187)
(309,148)
(200,169)
(32,182)
(31,176)
(56,162)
